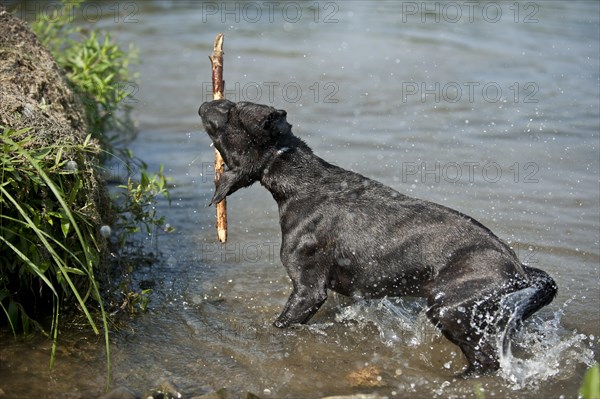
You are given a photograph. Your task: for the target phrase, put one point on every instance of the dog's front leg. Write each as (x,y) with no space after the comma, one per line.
(302,304)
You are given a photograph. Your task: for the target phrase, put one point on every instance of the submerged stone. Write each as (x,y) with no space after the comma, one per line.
(120,393)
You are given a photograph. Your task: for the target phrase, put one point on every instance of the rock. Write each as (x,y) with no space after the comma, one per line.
(357,396)
(220,394)
(166,390)
(120,393)
(367,377)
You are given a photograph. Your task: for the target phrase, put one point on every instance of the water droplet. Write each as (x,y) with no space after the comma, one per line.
(105,231)
(71,166)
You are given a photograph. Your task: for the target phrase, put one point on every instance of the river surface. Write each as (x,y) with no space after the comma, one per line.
(491,108)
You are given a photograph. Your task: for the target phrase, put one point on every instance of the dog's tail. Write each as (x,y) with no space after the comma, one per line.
(545,290)
(523,303)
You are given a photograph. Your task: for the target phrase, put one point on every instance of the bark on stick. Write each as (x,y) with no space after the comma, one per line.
(218,84)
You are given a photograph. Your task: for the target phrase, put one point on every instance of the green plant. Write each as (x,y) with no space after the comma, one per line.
(96,67)
(590,388)
(136,300)
(48,238)
(137,201)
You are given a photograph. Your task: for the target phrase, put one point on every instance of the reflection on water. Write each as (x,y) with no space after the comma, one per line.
(494,113)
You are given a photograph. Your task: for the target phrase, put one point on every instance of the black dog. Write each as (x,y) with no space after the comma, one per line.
(358,237)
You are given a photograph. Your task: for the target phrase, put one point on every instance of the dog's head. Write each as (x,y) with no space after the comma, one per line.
(248,136)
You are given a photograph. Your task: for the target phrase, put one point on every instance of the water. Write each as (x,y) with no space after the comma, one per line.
(497,119)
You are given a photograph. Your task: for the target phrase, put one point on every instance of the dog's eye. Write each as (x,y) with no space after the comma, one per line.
(276,121)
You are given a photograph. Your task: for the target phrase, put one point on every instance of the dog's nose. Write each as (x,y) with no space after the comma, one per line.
(215,114)
(221,106)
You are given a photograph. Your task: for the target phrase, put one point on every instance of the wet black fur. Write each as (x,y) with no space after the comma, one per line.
(344,232)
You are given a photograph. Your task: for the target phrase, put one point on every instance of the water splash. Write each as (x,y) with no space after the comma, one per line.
(398,320)
(544,349)
(539,351)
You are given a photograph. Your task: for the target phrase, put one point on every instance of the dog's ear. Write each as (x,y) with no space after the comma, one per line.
(229,182)
(276,123)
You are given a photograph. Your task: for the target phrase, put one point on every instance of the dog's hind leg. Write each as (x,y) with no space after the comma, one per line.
(467,319)
(464,301)
(481,313)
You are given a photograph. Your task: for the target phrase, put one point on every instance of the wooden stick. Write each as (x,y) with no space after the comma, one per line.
(216,62)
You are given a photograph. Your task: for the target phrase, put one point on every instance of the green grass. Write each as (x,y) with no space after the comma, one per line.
(590,388)
(48,243)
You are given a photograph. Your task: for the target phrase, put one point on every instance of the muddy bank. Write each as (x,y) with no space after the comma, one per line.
(34,93)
